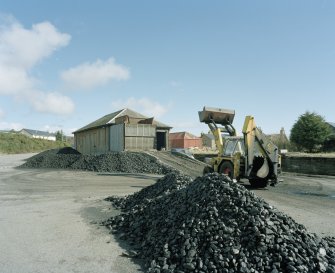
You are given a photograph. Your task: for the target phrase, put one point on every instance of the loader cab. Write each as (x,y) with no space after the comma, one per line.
(233,145)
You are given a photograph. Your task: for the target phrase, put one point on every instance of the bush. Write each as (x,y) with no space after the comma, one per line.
(14,143)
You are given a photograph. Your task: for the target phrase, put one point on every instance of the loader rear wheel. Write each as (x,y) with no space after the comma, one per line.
(258,182)
(227,168)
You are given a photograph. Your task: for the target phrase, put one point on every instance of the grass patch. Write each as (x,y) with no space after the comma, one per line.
(14,143)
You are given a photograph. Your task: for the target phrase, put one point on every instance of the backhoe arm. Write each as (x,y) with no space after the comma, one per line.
(256,141)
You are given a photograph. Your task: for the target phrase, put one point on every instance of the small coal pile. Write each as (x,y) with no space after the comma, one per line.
(122,162)
(68,151)
(165,185)
(55,158)
(215,225)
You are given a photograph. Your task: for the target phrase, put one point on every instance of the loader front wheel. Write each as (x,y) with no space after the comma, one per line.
(227,168)
(258,182)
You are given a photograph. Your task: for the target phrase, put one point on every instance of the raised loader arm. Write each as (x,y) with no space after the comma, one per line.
(214,116)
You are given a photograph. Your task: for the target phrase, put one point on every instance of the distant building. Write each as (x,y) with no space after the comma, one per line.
(121,131)
(184,140)
(329,145)
(208,140)
(38,134)
(332,126)
(281,139)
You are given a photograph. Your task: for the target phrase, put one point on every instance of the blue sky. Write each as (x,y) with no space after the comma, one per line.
(64,64)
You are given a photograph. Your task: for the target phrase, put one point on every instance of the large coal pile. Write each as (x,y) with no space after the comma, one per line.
(171,182)
(123,162)
(214,225)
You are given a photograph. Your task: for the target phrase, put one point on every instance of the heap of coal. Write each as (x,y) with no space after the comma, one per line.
(55,158)
(169,183)
(215,225)
(123,162)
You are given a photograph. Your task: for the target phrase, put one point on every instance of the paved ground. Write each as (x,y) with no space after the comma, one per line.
(48,220)
(310,200)
(48,217)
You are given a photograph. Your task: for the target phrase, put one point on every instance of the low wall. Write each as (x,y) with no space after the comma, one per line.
(309,164)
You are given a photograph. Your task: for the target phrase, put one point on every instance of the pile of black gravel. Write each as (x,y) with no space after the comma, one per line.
(123,162)
(215,225)
(55,158)
(169,183)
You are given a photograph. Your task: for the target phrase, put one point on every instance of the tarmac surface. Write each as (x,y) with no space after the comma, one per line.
(49,218)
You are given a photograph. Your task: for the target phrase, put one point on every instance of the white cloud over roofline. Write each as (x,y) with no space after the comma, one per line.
(143,105)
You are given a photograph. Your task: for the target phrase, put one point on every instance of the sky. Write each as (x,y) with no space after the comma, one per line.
(64,64)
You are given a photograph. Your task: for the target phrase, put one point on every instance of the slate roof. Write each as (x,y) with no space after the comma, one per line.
(110,119)
(331,124)
(38,133)
(182,135)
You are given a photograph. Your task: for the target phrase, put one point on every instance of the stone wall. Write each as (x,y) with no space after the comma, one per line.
(299,163)
(309,164)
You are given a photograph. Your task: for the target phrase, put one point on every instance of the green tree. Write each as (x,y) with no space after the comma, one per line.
(59,135)
(310,132)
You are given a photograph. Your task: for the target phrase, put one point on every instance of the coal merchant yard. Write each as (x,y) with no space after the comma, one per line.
(167,136)
(123,200)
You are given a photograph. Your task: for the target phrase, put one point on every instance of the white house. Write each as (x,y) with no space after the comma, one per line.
(38,134)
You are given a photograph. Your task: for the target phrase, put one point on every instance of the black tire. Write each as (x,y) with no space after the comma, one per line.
(258,183)
(227,168)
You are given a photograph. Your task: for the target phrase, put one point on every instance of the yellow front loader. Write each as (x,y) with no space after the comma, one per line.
(252,156)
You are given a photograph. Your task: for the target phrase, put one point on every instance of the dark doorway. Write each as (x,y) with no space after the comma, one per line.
(161,140)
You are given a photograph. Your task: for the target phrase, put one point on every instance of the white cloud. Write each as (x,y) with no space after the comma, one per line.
(54,103)
(144,105)
(89,75)
(11,126)
(14,80)
(55,128)
(21,49)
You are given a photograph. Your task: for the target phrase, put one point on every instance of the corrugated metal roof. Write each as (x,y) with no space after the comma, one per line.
(331,124)
(38,133)
(110,119)
(182,135)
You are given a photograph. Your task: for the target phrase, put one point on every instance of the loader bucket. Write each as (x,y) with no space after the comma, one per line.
(218,115)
